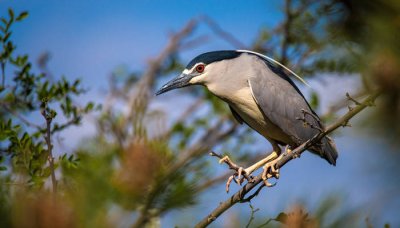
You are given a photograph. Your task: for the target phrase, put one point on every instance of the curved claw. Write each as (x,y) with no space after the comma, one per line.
(228,183)
(274,172)
(271,171)
(241,175)
(239,172)
(268,184)
(224,159)
(265,176)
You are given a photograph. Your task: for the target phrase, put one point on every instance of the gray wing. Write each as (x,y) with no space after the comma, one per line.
(236,115)
(281,103)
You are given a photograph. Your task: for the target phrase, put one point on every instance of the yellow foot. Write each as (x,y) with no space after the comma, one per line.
(242,174)
(239,170)
(262,162)
(225,159)
(270,170)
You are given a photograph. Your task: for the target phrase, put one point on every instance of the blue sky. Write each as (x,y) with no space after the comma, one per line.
(88,39)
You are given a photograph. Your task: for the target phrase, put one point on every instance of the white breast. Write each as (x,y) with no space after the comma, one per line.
(244,104)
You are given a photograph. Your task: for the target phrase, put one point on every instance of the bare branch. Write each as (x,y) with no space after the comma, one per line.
(207,184)
(20,117)
(343,103)
(253,211)
(307,123)
(248,199)
(141,96)
(265,223)
(47,137)
(352,99)
(3,75)
(238,196)
(194,42)
(221,33)
(190,110)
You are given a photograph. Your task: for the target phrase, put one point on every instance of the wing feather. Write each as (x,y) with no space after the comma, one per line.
(282,105)
(236,115)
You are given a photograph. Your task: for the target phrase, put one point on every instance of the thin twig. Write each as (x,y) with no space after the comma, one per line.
(248,199)
(47,137)
(190,110)
(208,183)
(265,223)
(253,211)
(20,117)
(3,75)
(194,43)
(141,95)
(352,99)
(222,33)
(307,123)
(70,122)
(342,104)
(238,196)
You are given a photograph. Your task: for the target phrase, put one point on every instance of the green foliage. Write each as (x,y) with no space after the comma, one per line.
(23,93)
(308,40)
(314,100)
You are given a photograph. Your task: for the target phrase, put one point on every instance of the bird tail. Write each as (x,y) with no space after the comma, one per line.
(329,151)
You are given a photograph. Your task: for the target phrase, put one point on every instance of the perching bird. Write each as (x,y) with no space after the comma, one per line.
(261,94)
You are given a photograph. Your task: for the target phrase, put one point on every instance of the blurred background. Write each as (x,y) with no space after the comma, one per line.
(85,142)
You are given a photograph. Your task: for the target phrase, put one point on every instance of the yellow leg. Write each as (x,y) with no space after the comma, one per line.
(262,162)
(270,170)
(248,171)
(225,159)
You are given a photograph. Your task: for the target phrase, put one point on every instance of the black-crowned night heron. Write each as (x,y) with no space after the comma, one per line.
(261,94)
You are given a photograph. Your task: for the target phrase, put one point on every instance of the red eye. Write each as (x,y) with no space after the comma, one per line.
(200,68)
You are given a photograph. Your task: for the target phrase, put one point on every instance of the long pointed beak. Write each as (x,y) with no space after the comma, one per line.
(178,82)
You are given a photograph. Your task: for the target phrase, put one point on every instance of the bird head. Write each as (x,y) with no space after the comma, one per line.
(216,68)
(200,71)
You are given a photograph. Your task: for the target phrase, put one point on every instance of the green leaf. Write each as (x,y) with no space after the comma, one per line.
(11,13)
(5,38)
(282,217)
(17,127)
(89,106)
(76,83)
(22,16)
(314,100)
(5,22)
(3,136)
(9,123)
(3,168)
(47,171)
(53,113)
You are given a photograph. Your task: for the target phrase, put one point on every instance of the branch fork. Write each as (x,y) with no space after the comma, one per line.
(307,123)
